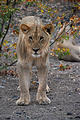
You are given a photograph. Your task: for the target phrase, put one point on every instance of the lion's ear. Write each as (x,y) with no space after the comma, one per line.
(48,28)
(24,28)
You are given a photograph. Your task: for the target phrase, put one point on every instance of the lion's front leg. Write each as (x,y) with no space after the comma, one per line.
(41,94)
(24,83)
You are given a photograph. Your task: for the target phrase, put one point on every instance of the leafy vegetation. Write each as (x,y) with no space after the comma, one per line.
(7,9)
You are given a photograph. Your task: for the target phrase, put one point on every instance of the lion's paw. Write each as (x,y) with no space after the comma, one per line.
(22,102)
(42,100)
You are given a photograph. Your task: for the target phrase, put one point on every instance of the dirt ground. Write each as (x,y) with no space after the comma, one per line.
(64,94)
(64,91)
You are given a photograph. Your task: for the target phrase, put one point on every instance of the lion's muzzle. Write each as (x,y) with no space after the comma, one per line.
(36,52)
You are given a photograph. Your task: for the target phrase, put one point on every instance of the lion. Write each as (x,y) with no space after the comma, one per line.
(70,44)
(32,50)
(74,50)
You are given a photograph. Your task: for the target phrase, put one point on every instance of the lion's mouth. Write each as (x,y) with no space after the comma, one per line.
(36,55)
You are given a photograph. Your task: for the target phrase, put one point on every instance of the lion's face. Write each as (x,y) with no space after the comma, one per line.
(33,38)
(36,39)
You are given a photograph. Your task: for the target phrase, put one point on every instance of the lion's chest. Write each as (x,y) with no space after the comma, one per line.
(37,62)
(41,61)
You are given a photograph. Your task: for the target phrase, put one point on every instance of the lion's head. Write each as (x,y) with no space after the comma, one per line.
(34,37)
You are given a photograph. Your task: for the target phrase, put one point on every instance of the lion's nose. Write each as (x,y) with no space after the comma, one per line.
(35,50)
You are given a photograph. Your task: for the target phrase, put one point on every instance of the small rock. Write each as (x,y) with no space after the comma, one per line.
(27,118)
(14,97)
(2,86)
(54,107)
(77,117)
(8,118)
(71,118)
(4,81)
(60,109)
(18,113)
(74,80)
(69,113)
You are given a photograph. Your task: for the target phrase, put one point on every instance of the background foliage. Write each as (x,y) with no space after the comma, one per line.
(8,8)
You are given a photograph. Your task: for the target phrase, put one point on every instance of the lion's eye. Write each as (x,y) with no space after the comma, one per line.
(24,30)
(30,38)
(41,38)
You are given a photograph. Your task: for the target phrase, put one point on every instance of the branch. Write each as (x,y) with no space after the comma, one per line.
(2,24)
(5,66)
(12,63)
(14,3)
(7,2)
(6,32)
(61,32)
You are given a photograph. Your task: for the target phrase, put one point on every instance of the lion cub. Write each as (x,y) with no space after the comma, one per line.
(32,50)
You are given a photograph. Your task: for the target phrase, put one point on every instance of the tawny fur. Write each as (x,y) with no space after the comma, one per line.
(33,35)
(74,49)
